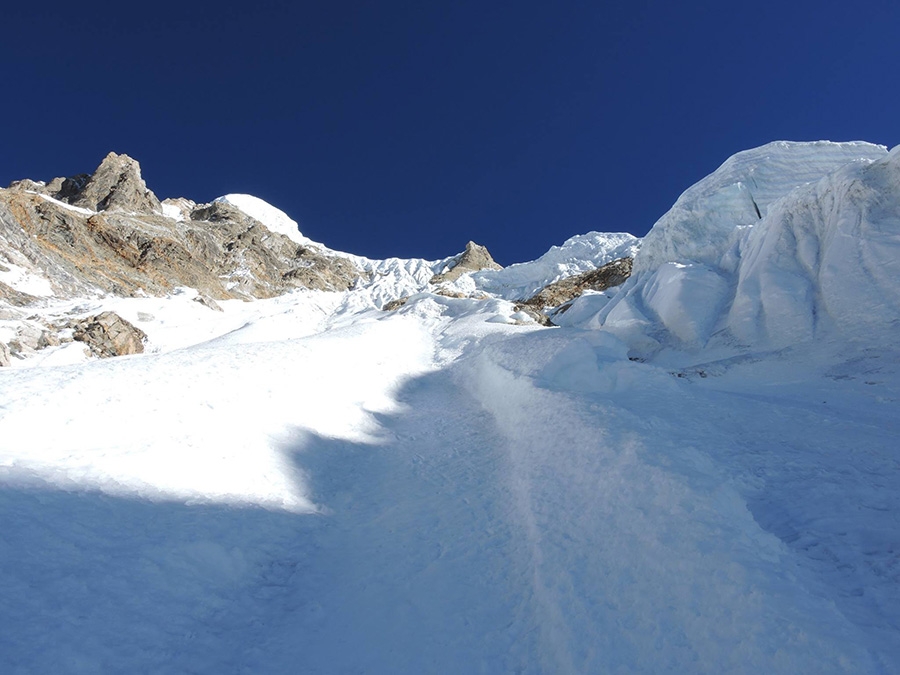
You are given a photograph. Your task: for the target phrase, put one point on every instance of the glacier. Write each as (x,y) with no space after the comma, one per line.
(693,472)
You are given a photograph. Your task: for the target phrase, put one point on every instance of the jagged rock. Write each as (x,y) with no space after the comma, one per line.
(116,185)
(321,272)
(108,334)
(606,276)
(214,248)
(8,313)
(474,258)
(30,185)
(4,356)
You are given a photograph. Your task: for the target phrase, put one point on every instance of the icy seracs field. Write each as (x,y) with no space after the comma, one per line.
(697,473)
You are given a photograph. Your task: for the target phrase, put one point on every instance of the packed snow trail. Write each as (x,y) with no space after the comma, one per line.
(539,504)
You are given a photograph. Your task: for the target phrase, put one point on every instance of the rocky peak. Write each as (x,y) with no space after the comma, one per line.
(116,185)
(127,244)
(474,258)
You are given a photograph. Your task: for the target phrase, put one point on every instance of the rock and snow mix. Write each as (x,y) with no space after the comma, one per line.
(696,472)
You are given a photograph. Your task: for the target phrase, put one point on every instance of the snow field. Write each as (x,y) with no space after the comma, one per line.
(696,473)
(646,557)
(215,413)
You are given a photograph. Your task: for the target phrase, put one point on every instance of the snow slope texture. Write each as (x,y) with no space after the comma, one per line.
(310,484)
(781,245)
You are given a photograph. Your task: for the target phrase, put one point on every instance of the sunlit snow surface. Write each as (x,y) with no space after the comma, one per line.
(309,484)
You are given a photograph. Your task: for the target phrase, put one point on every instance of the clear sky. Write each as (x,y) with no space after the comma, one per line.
(407,128)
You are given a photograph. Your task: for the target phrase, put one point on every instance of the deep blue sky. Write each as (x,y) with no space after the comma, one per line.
(407,128)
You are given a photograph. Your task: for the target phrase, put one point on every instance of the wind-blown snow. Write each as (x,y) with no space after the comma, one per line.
(821,254)
(273,218)
(694,474)
(706,218)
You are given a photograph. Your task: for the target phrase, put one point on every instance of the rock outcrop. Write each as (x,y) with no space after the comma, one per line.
(606,276)
(116,185)
(108,334)
(474,258)
(107,233)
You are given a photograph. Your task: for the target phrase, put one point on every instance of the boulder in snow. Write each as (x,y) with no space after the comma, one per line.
(108,334)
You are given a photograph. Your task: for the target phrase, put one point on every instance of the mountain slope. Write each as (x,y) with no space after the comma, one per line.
(310,483)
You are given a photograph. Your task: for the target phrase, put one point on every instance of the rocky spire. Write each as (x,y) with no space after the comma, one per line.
(116,185)
(474,258)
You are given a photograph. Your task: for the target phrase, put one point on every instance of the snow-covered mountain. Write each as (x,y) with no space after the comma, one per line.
(310,461)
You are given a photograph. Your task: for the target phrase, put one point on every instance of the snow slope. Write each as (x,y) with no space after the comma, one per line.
(783,244)
(310,484)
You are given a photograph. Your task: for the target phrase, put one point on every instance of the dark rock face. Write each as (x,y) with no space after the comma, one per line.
(607,276)
(474,258)
(116,185)
(108,334)
(128,247)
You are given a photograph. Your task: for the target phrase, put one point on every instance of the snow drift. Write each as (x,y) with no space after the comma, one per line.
(782,244)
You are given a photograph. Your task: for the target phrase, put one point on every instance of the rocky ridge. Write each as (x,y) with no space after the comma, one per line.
(106,234)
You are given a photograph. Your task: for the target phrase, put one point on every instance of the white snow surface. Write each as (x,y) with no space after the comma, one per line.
(77,209)
(690,475)
(703,222)
(820,261)
(273,218)
(24,280)
(578,254)
(172,211)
